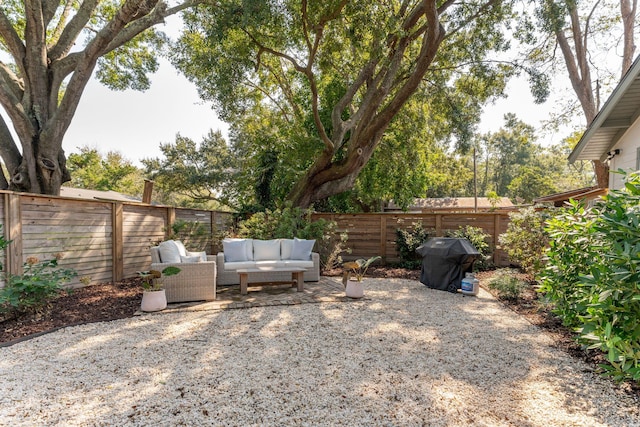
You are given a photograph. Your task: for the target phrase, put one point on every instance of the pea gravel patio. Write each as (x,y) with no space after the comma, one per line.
(406,355)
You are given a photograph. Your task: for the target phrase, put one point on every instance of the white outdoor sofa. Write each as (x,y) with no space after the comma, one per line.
(197,278)
(243,254)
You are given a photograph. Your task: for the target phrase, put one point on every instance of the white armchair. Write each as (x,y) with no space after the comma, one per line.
(196,280)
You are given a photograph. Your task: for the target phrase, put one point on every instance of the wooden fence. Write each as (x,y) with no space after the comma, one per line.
(373,234)
(109,240)
(103,240)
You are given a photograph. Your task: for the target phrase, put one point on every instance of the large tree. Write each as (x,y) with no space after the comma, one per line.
(90,169)
(585,33)
(339,71)
(49,51)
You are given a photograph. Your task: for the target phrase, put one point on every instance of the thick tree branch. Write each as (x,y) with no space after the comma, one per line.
(10,81)
(72,30)
(36,67)
(8,148)
(12,40)
(49,8)
(62,22)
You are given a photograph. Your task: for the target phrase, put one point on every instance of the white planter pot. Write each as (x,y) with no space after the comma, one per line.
(354,289)
(153,300)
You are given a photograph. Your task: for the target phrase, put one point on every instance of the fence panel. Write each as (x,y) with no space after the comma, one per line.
(80,231)
(142,227)
(373,234)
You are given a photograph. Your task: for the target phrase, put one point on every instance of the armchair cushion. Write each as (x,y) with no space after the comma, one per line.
(169,252)
(192,258)
(202,255)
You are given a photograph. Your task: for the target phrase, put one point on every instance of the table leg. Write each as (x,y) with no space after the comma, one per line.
(298,277)
(244,280)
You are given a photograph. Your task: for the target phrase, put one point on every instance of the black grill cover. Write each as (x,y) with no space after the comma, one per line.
(445,261)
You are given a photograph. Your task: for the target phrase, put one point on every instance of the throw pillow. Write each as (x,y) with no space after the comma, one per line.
(266,250)
(194,258)
(234,250)
(181,249)
(169,252)
(302,249)
(202,255)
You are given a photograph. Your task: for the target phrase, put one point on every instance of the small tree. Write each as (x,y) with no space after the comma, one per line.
(526,240)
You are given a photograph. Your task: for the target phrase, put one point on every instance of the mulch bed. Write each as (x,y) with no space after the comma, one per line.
(95,303)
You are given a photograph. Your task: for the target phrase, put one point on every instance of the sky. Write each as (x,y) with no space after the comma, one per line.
(136,123)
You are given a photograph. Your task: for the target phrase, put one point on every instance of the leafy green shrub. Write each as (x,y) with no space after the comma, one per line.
(526,240)
(407,241)
(283,223)
(573,246)
(506,282)
(593,272)
(479,239)
(35,288)
(289,222)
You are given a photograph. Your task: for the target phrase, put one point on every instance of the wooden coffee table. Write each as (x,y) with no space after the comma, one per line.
(297,277)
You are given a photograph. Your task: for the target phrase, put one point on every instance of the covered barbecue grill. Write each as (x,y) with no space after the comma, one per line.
(445,261)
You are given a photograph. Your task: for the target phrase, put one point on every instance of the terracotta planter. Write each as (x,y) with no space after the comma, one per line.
(153,300)
(354,289)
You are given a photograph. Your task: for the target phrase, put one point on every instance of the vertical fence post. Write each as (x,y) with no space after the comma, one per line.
(214,233)
(383,238)
(117,242)
(438,225)
(171,218)
(496,233)
(13,232)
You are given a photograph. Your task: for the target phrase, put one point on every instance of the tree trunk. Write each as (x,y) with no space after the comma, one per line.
(31,86)
(386,90)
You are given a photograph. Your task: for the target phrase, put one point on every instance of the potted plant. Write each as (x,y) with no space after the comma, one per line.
(353,275)
(154,297)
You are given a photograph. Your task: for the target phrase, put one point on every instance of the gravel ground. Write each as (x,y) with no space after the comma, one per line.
(405,355)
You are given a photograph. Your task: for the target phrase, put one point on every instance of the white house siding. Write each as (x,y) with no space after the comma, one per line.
(628,157)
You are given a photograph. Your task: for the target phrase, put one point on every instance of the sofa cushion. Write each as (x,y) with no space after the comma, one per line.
(297,263)
(286,245)
(235,250)
(232,266)
(301,249)
(192,258)
(269,264)
(169,252)
(266,250)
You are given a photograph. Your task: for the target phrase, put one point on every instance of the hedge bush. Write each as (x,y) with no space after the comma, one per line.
(593,275)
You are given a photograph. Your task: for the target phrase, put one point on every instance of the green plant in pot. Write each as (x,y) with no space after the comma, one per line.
(354,272)
(153,296)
